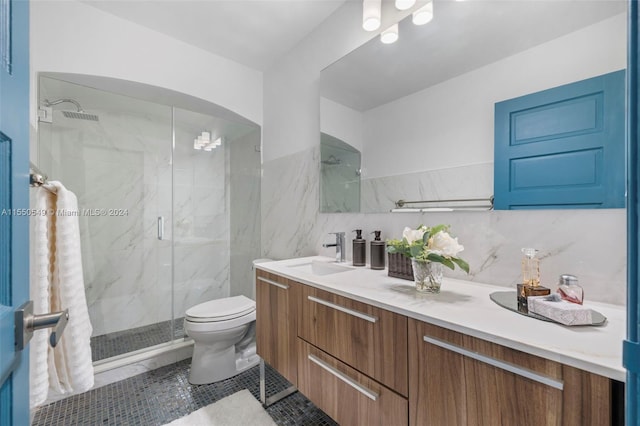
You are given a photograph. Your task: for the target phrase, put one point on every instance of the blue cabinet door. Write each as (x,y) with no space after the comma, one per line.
(562,147)
(14,187)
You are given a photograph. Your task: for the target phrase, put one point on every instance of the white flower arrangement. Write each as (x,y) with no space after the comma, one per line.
(430,244)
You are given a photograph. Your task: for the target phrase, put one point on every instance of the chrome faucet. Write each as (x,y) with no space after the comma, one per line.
(339,245)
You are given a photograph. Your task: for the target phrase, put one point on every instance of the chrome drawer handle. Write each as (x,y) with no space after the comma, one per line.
(343,309)
(512,368)
(268,281)
(348,380)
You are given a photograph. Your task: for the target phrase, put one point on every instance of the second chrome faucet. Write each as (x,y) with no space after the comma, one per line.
(339,245)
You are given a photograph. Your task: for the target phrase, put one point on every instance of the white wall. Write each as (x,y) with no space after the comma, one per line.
(72,37)
(342,122)
(451,124)
(291,86)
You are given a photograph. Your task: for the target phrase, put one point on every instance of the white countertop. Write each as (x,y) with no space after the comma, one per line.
(465,307)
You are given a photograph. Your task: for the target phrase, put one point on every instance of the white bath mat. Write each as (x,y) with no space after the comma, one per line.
(239,409)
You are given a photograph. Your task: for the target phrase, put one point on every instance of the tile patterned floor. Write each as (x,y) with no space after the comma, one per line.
(163,395)
(118,343)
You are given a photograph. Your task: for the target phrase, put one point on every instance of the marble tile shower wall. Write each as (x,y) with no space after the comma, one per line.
(588,243)
(245,211)
(124,162)
(201,222)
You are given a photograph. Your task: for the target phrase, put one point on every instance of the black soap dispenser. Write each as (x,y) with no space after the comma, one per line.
(359,249)
(377,252)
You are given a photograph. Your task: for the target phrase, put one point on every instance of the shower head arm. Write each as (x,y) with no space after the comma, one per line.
(49,103)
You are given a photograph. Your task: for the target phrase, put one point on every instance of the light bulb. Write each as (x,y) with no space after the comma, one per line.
(404,4)
(371,13)
(390,35)
(424,14)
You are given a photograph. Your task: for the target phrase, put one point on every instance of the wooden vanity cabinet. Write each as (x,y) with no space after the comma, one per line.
(276,319)
(370,339)
(457,379)
(344,393)
(364,365)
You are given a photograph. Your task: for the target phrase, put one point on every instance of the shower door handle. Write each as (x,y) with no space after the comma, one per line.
(160,228)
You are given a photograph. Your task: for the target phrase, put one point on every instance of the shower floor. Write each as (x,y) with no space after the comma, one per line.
(163,395)
(121,342)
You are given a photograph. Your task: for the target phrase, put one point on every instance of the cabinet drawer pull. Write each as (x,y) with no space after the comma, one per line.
(343,309)
(268,281)
(512,368)
(348,380)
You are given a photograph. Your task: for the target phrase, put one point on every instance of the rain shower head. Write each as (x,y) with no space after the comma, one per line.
(79,114)
(332,161)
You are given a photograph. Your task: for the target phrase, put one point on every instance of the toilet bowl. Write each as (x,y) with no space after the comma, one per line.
(223,332)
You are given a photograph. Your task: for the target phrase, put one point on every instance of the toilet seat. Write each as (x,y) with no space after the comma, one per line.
(218,310)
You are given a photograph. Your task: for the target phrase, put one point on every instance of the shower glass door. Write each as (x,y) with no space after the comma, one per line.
(117,159)
(216,208)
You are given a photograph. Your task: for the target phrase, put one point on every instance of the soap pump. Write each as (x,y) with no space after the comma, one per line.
(359,249)
(377,252)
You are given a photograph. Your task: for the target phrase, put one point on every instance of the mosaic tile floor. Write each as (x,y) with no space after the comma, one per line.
(121,342)
(163,395)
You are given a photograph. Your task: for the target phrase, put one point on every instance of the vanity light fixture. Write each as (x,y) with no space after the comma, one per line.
(213,144)
(424,14)
(404,4)
(371,14)
(203,141)
(390,35)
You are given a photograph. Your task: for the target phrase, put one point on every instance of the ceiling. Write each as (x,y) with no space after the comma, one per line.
(251,32)
(463,36)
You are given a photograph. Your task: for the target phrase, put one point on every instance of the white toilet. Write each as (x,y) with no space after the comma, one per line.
(223,331)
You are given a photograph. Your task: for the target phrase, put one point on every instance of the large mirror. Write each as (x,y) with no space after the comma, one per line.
(424,105)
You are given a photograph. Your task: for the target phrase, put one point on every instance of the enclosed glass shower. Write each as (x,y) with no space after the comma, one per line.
(167,219)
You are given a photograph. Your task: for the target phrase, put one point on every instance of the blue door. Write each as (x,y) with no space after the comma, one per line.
(14,200)
(631,351)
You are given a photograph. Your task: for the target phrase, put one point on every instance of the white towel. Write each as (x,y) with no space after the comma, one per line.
(69,364)
(40,261)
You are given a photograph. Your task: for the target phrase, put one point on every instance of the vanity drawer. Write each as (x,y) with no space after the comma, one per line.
(348,396)
(463,380)
(276,322)
(367,338)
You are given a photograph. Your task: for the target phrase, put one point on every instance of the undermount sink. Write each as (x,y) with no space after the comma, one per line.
(317,267)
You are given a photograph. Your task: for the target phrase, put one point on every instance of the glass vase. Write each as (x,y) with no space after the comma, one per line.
(427,276)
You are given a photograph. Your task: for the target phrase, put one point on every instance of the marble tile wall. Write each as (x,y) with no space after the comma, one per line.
(588,243)
(380,194)
(244,212)
(200,220)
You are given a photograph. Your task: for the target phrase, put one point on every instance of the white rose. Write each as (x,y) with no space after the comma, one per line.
(443,244)
(412,235)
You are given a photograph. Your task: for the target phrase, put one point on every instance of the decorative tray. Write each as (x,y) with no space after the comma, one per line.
(508,300)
